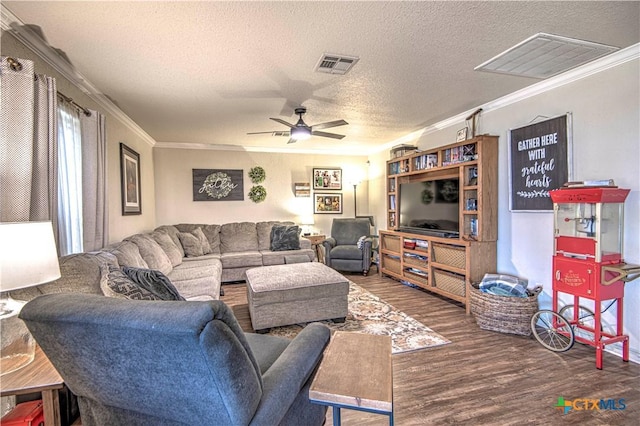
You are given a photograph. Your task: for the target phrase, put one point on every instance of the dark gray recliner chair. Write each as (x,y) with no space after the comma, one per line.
(342,252)
(134,362)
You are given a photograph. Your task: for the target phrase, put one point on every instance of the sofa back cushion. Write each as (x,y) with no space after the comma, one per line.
(151,252)
(349,231)
(264,233)
(127,254)
(165,241)
(238,236)
(172,231)
(212,232)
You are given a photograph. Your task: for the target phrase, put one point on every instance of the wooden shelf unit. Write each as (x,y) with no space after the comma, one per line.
(446,266)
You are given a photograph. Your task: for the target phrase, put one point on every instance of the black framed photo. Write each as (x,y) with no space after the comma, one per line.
(328,203)
(327,179)
(130,180)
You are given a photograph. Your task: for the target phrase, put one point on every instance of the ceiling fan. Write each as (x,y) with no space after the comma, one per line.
(301,131)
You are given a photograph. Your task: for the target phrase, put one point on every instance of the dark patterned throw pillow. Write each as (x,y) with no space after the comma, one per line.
(154,281)
(115,283)
(285,237)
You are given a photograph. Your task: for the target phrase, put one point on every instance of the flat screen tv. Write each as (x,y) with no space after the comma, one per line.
(430,207)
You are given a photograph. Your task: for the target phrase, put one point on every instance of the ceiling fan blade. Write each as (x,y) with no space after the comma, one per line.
(327,135)
(292,140)
(283,122)
(260,133)
(328,124)
(273,133)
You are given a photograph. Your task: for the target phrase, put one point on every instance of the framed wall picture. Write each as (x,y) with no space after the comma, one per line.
(329,203)
(302,189)
(130,180)
(462,134)
(327,179)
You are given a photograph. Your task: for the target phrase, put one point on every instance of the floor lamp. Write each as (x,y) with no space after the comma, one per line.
(28,257)
(355,199)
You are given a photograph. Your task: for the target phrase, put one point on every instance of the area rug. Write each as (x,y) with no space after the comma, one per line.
(372,315)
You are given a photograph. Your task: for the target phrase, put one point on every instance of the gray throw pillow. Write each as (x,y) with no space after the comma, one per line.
(206,247)
(285,237)
(154,281)
(115,283)
(191,244)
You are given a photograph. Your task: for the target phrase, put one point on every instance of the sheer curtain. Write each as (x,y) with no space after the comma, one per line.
(70,180)
(28,143)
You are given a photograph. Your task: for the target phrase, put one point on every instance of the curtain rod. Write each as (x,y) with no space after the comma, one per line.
(71,101)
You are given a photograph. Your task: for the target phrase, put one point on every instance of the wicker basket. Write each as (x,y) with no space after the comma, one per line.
(449,255)
(450,282)
(391,243)
(391,264)
(416,277)
(503,313)
(413,261)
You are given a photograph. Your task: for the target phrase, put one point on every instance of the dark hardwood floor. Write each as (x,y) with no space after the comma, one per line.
(483,377)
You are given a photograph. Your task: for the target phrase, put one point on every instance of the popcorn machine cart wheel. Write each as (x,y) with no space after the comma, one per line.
(587,264)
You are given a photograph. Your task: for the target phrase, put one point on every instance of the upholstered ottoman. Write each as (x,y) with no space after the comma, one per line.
(295,293)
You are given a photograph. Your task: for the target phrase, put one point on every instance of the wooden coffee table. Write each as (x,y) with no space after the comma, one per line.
(355,373)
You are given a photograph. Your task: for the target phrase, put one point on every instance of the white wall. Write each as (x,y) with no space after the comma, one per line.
(606,145)
(174,182)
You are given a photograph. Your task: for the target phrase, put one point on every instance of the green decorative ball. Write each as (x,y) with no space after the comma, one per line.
(257,174)
(257,194)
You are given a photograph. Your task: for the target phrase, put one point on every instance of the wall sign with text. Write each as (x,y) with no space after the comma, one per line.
(540,160)
(218,185)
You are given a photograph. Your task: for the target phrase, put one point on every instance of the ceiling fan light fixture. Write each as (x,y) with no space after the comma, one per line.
(300,133)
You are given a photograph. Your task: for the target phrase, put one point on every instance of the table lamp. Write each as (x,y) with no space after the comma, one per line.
(28,257)
(307,223)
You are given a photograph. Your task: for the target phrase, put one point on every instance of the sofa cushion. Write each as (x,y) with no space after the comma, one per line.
(241,259)
(127,254)
(206,247)
(115,283)
(201,283)
(285,237)
(165,242)
(154,281)
(151,252)
(264,233)
(172,231)
(280,257)
(238,237)
(212,232)
(191,244)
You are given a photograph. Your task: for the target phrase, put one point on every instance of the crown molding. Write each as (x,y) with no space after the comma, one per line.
(12,24)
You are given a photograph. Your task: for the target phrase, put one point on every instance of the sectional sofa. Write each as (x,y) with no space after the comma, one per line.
(229,250)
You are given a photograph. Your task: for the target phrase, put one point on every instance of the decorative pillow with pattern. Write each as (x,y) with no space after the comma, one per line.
(285,237)
(115,283)
(154,281)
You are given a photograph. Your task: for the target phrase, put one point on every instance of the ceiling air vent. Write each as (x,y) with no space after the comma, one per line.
(545,55)
(336,64)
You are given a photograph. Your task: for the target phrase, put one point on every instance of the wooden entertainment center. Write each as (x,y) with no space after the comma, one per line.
(445,262)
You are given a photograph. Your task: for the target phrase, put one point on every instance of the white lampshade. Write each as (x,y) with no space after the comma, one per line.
(28,255)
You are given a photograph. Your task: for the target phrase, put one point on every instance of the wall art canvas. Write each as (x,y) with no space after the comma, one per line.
(327,179)
(330,203)
(130,181)
(218,185)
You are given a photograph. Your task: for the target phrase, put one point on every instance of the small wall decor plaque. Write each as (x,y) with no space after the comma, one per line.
(218,185)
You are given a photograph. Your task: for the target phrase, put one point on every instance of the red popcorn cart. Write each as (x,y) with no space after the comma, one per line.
(588,263)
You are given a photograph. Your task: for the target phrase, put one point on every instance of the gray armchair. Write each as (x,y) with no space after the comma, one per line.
(341,249)
(134,362)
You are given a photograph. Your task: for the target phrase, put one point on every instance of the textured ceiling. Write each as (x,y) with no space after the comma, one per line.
(208,72)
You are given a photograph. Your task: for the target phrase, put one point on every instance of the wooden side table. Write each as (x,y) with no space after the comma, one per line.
(355,373)
(38,376)
(316,242)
